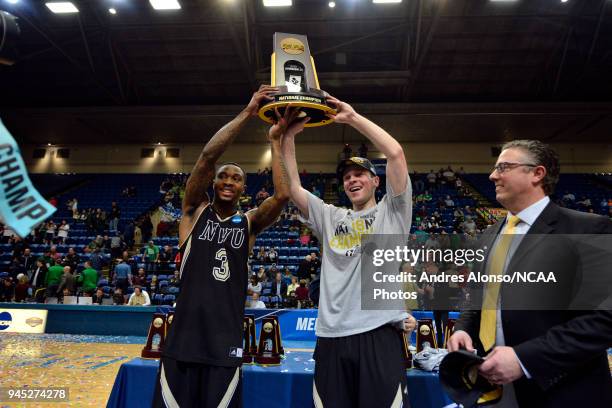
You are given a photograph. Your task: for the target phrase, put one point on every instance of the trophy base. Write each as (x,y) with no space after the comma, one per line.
(268,360)
(311,104)
(150,353)
(247,359)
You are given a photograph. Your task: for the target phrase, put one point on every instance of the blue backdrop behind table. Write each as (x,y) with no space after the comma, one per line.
(287,385)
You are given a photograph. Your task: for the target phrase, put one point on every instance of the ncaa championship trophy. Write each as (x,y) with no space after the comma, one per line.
(293,71)
(426,333)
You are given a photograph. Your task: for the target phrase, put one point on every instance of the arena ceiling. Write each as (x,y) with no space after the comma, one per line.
(427,70)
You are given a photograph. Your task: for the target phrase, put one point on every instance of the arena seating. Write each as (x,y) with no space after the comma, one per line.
(581,185)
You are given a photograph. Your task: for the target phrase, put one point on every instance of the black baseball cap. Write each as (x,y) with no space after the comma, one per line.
(355,161)
(461,381)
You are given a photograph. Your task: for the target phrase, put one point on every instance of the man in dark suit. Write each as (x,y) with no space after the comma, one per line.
(549,356)
(279,287)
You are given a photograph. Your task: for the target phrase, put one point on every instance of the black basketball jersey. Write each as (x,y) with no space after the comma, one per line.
(207,325)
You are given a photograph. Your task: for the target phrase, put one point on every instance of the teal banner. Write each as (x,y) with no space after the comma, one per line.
(21,206)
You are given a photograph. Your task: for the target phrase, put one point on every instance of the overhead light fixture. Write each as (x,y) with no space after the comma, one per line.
(386,1)
(332,4)
(112,10)
(61,7)
(165,4)
(277,3)
(563,1)
(13,1)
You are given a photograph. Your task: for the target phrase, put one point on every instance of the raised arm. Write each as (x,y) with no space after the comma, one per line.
(397,169)
(270,209)
(203,172)
(298,194)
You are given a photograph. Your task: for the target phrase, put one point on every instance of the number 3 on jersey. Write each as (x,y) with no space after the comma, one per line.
(223,273)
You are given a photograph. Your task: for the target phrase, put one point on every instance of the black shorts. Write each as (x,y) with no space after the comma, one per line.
(186,385)
(362,370)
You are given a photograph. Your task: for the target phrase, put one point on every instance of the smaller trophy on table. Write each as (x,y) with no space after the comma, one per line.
(250,344)
(156,337)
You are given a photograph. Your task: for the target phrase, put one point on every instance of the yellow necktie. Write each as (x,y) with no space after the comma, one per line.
(488,315)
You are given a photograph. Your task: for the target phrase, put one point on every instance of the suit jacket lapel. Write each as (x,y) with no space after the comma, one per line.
(543,225)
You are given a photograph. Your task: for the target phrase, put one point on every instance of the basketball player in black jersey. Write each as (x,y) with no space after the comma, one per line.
(200,366)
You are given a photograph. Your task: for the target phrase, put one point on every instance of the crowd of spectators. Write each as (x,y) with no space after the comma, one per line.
(105,271)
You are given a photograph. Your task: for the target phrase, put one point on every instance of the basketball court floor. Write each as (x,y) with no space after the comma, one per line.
(86,365)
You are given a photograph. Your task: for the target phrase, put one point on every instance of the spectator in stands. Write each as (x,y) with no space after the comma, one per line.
(116,245)
(315,191)
(115,215)
(262,256)
(279,287)
(15,268)
(261,196)
(53,278)
(50,233)
(448,202)
(98,297)
(165,257)
(431,179)
(271,272)
(347,151)
(139,297)
(272,255)
(118,298)
(39,275)
(141,278)
(122,276)
(449,174)
(316,263)
(28,261)
(363,150)
(7,289)
(21,288)
(301,293)
(71,259)
(97,260)
(151,257)
(305,268)
(291,288)
(569,197)
(175,280)
(261,275)
(62,232)
(74,207)
(254,285)
(8,233)
(305,235)
(88,279)
(106,244)
(585,203)
(147,227)
(128,234)
(287,276)
(137,234)
(255,303)
(67,286)
(469,225)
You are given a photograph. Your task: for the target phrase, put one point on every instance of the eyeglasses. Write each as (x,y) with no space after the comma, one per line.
(505,166)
